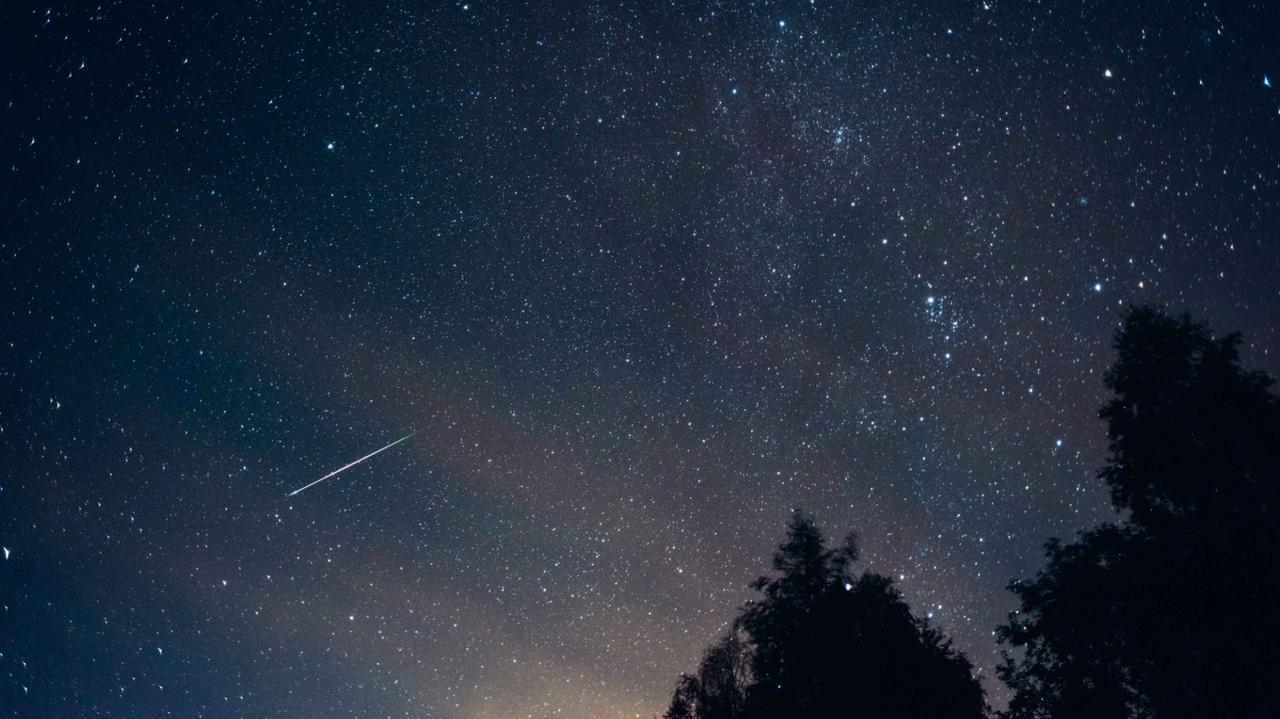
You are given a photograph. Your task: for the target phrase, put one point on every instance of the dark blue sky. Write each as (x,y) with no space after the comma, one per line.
(644,277)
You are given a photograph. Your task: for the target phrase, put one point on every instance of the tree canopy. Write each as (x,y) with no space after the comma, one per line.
(821,641)
(1167,613)
(1170,613)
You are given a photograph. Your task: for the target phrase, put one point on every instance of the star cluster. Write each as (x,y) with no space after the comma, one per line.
(643,277)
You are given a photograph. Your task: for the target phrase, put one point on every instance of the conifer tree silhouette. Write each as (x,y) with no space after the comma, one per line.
(822,642)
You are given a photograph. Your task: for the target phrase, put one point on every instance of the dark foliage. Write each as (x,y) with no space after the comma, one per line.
(1172,613)
(822,642)
(719,689)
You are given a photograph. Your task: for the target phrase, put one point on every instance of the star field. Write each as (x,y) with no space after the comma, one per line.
(643,277)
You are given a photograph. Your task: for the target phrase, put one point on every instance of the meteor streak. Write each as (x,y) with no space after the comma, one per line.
(349,466)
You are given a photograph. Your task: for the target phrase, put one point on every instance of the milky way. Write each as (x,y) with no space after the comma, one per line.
(644,277)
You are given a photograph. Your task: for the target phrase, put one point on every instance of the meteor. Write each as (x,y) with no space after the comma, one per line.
(349,466)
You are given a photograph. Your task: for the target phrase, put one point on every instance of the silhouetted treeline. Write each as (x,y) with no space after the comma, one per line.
(824,642)
(1174,612)
(1171,613)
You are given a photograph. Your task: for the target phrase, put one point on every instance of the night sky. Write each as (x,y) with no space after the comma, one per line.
(642,277)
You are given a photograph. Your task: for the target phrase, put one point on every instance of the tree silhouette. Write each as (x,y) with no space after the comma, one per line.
(822,642)
(1171,613)
(684,702)
(781,624)
(719,689)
